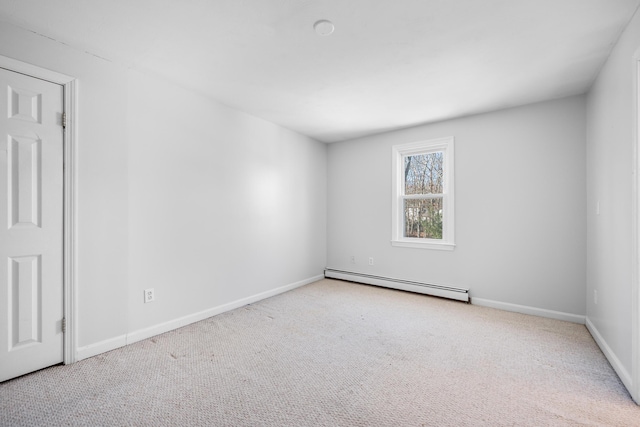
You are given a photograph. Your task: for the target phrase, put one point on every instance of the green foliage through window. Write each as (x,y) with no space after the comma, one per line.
(423,218)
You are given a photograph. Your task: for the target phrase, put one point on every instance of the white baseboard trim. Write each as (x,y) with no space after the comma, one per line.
(100,347)
(540,312)
(624,375)
(141,334)
(145,333)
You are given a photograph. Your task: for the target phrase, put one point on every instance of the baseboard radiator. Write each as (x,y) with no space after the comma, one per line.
(450,292)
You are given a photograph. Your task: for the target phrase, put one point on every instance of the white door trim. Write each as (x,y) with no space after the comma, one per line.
(635,285)
(70,85)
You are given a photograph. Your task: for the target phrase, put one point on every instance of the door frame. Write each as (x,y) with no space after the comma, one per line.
(70,208)
(635,233)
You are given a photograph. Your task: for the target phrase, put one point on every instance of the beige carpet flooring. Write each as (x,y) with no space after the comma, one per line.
(337,354)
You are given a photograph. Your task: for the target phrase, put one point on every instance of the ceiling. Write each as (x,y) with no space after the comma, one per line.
(389,64)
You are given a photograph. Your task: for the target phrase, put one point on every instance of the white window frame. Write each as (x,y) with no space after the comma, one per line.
(444,145)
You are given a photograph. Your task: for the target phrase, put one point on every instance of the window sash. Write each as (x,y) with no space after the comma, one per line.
(415,153)
(423,196)
(415,220)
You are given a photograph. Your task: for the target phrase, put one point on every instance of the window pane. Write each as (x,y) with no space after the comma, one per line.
(423,218)
(423,173)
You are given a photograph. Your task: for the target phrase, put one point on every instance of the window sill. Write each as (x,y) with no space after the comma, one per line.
(444,246)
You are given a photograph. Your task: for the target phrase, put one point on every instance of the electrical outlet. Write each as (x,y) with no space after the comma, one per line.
(149,295)
(353,259)
(370,260)
(595,297)
(597,208)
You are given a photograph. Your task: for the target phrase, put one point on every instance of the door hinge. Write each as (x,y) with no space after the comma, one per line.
(64,120)
(64,325)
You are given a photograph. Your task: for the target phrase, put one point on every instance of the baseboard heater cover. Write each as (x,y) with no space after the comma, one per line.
(460,294)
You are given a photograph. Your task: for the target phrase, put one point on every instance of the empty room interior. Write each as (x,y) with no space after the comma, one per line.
(233,225)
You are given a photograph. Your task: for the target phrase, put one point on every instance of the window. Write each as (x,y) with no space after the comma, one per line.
(422,203)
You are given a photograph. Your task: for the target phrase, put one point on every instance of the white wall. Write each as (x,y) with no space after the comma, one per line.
(176,192)
(609,181)
(222,205)
(520,207)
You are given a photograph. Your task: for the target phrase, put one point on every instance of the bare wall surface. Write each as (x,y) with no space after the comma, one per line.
(610,140)
(222,205)
(520,207)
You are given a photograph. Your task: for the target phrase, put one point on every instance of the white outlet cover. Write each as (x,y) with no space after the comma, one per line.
(149,295)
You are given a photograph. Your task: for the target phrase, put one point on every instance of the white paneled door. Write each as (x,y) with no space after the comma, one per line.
(31,224)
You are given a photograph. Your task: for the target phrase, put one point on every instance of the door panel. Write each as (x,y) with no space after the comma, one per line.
(31,224)
(24,301)
(24,169)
